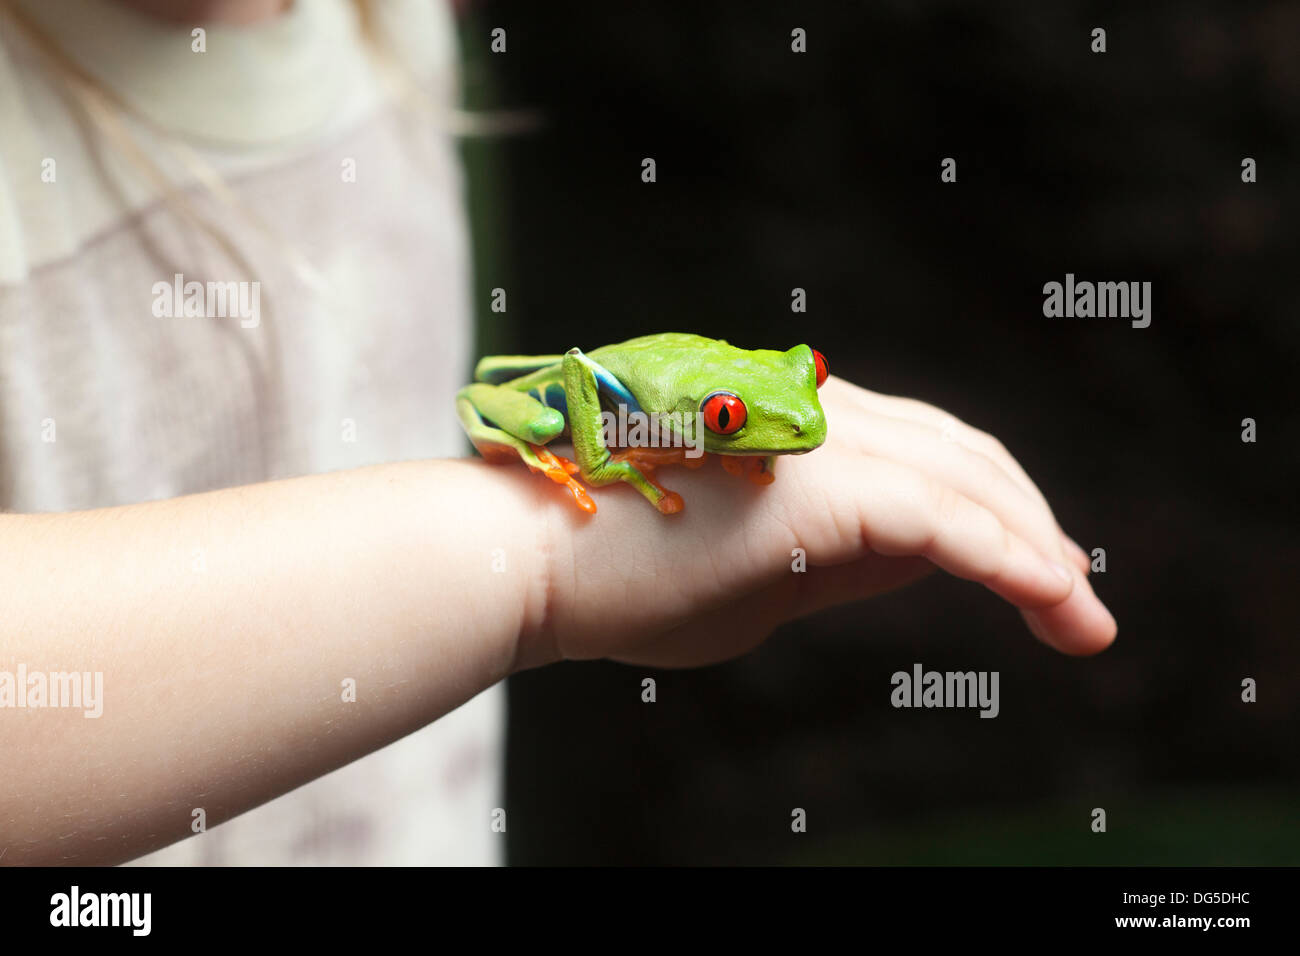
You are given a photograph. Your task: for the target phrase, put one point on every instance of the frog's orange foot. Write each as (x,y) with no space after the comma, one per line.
(753,467)
(580,497)
(556,467)
(670,503)
(561,471)
(646,460)
(553,460)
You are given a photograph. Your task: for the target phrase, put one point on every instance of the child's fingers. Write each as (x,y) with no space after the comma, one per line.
(1076,554)
(1079,625)
(913,409)
(904,512)
(970,472)
(947,426)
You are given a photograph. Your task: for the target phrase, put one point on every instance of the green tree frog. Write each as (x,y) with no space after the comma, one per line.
(629,408)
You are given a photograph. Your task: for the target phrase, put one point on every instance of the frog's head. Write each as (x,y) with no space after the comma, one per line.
(762,402)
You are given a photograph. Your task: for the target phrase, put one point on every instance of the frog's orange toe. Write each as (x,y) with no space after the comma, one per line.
(581,498)
(552,460)
(561,471)
(671,503)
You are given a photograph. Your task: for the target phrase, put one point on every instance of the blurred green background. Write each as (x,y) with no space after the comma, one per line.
(821,171)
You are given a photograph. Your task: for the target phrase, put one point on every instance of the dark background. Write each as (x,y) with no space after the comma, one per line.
(821,170)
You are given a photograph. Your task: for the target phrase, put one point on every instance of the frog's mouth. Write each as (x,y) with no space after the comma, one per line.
(764,453)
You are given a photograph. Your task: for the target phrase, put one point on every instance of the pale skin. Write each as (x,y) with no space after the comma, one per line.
(226,623)
(222,680)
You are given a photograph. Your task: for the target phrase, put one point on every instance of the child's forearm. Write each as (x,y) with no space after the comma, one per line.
(227,628)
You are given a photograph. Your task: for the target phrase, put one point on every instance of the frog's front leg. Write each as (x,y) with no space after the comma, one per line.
(522,427)
(597,464)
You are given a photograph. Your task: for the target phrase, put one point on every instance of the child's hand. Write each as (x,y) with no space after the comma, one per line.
(386,579)
(899,488)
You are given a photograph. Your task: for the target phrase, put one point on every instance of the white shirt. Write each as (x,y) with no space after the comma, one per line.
(346,211)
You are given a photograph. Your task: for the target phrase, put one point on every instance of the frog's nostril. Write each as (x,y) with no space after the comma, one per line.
(798,430)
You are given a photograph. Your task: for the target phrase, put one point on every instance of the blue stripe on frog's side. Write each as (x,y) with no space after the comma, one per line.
(614,388)
(552,396)
(608,384)
(555,398)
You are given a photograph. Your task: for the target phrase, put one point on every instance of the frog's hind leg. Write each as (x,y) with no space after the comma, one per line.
(497,369)
(499,446)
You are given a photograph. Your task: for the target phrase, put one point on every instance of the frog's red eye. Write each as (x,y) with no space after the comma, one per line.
(823,369)
(723,413)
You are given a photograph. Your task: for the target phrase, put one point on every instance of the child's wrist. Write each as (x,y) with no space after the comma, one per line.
(509,542)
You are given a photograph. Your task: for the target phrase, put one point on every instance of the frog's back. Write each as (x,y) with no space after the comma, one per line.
(661,341)
(658,357)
